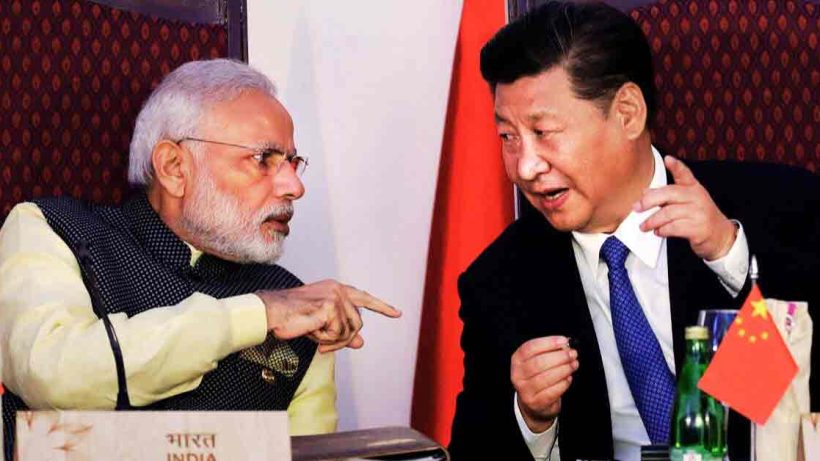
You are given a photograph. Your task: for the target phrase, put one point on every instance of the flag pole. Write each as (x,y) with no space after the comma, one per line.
(754,274)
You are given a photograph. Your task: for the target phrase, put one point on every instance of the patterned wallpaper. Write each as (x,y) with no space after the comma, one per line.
(75,75)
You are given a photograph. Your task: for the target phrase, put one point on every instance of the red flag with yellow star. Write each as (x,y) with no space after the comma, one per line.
(753,367)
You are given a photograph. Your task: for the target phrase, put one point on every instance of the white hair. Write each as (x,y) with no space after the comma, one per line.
(175,108)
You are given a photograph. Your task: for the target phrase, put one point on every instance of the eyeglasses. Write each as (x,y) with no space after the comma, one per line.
(269,158)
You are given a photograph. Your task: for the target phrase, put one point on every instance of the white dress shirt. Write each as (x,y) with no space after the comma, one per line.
(647,268)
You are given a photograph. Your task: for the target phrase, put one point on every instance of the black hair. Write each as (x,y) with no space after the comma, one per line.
(599,47)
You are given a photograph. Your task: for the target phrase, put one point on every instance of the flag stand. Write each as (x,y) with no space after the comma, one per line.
(754,274)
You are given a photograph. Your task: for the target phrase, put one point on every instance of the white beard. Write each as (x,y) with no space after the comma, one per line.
(223,226)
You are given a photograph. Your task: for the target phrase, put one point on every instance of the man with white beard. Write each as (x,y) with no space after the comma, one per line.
(179,285)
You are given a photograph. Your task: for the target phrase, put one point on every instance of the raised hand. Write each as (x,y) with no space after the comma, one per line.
(688,211)
(326,311)
(541,371)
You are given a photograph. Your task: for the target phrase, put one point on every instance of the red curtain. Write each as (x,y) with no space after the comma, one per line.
(474,202)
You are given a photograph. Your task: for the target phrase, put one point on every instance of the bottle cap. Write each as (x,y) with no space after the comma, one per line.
(696,333)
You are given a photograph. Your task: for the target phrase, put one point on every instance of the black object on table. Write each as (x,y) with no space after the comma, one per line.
(384,443)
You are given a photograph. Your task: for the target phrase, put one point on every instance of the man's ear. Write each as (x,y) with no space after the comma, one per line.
(629,108)
(172,167)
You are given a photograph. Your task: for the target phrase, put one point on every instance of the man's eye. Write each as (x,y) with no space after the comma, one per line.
(265,158)
(259,158)
(509,140)
(545,133)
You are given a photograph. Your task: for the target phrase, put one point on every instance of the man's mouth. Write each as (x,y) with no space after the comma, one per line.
(555,194)
(278,223)
(552,199)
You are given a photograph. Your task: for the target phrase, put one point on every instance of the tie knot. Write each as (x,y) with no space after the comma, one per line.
(614,252)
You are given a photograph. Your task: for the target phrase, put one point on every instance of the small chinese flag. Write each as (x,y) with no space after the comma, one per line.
(752,368)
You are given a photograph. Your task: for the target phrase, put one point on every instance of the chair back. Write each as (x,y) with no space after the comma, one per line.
(76,73)
(736,79)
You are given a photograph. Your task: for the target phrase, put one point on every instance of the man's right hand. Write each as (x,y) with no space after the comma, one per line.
(325,311)
(541,371)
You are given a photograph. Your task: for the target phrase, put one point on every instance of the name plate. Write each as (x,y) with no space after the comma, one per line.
(153,435)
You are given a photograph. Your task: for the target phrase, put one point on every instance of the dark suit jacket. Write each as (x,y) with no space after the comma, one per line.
(526,285)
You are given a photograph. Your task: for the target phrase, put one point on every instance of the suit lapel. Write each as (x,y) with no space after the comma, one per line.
(683,282)
(692,287)
(585,421)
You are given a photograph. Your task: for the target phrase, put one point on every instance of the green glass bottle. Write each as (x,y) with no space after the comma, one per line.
(697,427)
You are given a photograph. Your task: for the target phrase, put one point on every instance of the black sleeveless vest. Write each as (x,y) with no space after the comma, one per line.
(139,264)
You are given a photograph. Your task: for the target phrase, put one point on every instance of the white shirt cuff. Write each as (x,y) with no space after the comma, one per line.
(733,268)
(539,444)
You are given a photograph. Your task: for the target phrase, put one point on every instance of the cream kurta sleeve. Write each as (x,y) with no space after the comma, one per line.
(313,408)
(55,352)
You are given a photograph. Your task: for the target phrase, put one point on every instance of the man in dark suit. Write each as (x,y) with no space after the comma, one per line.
(620,252)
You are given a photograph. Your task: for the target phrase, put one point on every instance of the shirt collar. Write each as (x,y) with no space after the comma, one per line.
(195,253)
(645,245)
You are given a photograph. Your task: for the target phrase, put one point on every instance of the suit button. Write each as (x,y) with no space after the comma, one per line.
(268,376)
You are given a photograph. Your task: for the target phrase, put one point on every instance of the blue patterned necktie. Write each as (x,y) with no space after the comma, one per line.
(651,382)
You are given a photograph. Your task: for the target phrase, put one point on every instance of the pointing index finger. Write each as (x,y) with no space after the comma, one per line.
(366,300)
(680,172)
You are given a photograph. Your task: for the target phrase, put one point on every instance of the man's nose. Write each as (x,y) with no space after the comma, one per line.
(287,184)
(532,161)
